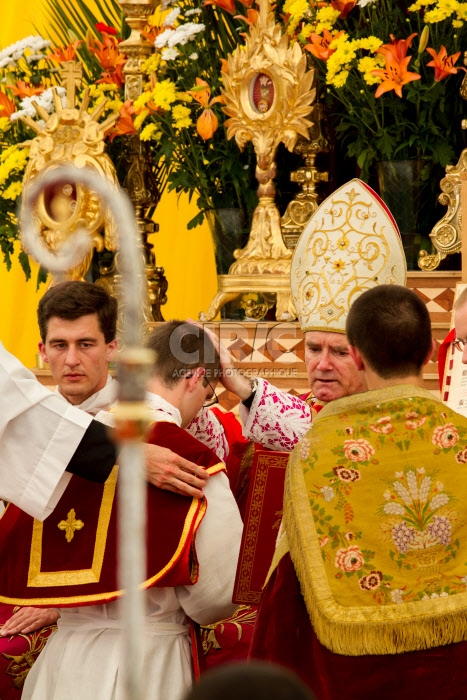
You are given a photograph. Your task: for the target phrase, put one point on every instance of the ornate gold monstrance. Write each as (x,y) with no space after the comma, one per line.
(268,96)
(72,135)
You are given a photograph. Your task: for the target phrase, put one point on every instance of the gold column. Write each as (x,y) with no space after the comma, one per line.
(140,182)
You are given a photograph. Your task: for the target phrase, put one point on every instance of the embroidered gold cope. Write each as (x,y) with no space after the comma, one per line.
(374,519)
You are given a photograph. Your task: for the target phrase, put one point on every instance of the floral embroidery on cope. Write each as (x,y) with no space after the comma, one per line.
(386,521)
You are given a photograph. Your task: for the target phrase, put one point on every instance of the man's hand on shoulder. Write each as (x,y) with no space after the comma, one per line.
(29,619)
(167,470)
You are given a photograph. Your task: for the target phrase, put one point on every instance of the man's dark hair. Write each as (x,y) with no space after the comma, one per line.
(71,300)
(390,326)
(180,347)
(256,680)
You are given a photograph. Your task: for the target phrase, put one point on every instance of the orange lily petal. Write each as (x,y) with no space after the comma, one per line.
(228,5)
(394,75)
(201,93)
(22,89)
(8,106)
(319,46)
(398,47)
(443,64)
(344,6)
(224,66)
(207,124)
(125,124)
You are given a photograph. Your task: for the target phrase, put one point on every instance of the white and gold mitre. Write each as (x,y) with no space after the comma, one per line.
(350,244)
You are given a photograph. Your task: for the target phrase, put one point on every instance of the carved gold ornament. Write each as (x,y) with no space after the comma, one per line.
(71,135)
(446,235)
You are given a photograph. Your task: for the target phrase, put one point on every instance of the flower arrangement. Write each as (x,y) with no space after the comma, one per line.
(389,72)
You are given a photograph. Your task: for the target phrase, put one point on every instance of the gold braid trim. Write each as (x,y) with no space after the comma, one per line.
(359,631)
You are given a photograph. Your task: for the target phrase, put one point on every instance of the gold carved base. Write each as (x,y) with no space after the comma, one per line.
(232,286)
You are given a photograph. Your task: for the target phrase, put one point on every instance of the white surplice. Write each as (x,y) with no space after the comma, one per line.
(81,660)
(38,437)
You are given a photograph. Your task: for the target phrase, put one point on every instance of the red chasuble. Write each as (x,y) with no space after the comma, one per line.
(71,558)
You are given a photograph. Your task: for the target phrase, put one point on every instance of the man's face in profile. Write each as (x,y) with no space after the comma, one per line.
(78,356)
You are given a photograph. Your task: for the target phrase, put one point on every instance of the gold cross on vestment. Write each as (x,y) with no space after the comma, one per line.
(70,525)
(72,74)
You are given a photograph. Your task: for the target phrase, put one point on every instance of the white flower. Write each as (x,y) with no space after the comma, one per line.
(304,448)
(425,489)
(394,509)
(434,595)
(169,54)
(364,3)
(162,38)
(195,11)
(399,475)
(387,495)
(45,100)
(35,57)
(444,594)
(171,17)
(193,56)
(421,470)
(8,61)
(184,33)
(412,482)
(439,500)
(396,596)
(328,493)
(403,493)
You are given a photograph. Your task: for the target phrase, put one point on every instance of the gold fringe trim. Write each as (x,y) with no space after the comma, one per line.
(359,631)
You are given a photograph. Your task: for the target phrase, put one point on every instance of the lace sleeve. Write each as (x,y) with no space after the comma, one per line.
(276,419)
(208,430)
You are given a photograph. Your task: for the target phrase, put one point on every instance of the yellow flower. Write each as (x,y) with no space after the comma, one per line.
(338,265)
(449,6)
(143,99)
(181,116)
(5,124)
(306,31)
(462,11)
(15,160)
(140,119)
(13,191)
(370,43)
(148,132)
(296,9)
(7,152)
(436,15)
(368,63)
(327,14)
(339,80)
(457,23)
(164,94)
(152,63)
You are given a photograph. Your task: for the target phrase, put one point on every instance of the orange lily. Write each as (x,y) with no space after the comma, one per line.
(7,106)
(344,6)
(228,5)
(247,3)
(394,75)
(319,46)
(207,123)
(125,124)
(110,58)
(66,54)
(224,66)
(398,47)
(251,18)
(22,89)
(443,64)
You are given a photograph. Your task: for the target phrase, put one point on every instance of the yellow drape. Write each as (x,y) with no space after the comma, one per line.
(187,256)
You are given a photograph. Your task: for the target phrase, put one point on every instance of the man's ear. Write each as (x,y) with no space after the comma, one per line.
(43,351)
(430,352)
(356,357)
(193,376)
(111,349)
